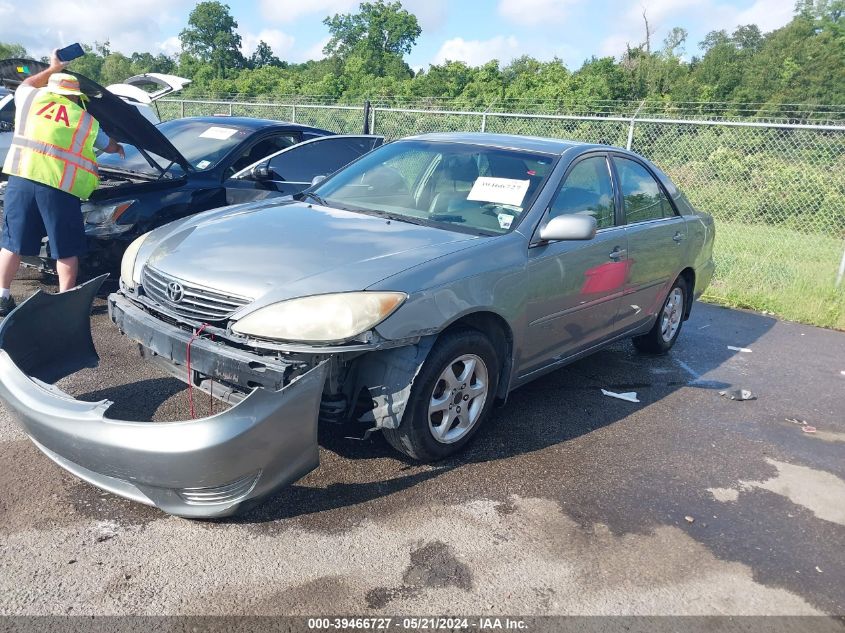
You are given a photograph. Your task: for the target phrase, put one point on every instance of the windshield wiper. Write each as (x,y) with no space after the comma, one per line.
(318,199)
(410,219)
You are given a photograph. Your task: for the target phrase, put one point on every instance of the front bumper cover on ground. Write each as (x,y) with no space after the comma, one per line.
(210,467)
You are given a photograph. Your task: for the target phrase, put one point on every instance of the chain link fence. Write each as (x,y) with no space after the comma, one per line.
(777,190)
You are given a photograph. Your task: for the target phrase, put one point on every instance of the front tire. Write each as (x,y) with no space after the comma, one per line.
(670,320)
(451,397)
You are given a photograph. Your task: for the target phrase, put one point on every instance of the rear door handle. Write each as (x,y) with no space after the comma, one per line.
(617,254)
(679,237)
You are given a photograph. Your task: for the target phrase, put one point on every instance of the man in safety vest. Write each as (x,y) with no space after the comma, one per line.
(51,167)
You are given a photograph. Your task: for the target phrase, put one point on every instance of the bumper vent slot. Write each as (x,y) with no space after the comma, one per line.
(227,493)
(193,302)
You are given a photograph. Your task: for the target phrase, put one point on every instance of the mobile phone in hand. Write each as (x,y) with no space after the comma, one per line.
(69,52)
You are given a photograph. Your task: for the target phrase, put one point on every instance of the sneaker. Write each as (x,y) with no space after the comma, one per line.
(7,305)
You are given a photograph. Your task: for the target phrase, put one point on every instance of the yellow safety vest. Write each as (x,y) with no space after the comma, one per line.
(54,144)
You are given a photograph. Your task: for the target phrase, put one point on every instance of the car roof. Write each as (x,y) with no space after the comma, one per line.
(251,123)
(510,141)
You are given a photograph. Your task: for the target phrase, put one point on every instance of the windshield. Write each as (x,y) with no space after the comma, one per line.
(202,144)
(452,185)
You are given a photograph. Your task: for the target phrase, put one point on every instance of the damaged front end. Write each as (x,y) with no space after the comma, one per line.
(204,468)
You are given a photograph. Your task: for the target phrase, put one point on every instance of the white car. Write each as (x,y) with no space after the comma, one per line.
(140,91)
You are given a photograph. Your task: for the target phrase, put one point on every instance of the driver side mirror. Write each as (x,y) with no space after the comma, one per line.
(260,172)
(577,226)
(317,180)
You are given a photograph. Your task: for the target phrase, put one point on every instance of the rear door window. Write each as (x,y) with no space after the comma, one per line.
(318,158)
(644,199)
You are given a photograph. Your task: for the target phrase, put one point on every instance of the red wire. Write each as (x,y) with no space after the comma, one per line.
(211,391)
(190,374)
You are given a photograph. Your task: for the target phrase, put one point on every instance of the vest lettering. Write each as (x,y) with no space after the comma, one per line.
(54,144)
(61,115)
(46,107)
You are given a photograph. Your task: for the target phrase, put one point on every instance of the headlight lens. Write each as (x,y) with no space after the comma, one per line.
(102,219)
(321,318)
(127,264)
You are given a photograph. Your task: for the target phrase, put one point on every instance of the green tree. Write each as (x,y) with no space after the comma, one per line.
(378,36)
(263,56)
(12,50)
(116,67)
(147,63)
(211,37)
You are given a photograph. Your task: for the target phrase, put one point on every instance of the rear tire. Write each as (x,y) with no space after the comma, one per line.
(451,397)
(670,320)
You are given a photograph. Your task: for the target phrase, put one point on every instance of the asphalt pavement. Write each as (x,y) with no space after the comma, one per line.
(568,502)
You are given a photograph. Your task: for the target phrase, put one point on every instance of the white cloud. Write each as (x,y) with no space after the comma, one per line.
(503,48)
(42,25)
(535,12)
(766,14)
(280,42)
(706,15)
(431,14)
(170,46)
(614,45)
(477,52)
(292,10)
(315,51)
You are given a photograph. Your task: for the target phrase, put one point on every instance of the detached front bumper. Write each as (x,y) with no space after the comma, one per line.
(204,468)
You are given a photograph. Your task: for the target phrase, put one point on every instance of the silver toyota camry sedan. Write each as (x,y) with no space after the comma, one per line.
(407,293)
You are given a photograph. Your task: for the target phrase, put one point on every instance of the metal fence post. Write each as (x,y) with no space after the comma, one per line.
(182,109)
(484,122)
(230,109)
(373,121)
(631,127)
(293,113)
(841,273)
(367,107)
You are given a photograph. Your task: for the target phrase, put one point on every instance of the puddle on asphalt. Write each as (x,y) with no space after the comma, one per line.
(820,492)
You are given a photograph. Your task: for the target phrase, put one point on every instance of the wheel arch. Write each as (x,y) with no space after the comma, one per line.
(688,275)
(500,334)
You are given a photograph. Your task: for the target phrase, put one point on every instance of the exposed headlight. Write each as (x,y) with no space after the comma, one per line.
(127,264)
(101,220)
(321,318)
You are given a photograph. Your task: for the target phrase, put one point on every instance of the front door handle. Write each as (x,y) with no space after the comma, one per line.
(679,237)
(617,254)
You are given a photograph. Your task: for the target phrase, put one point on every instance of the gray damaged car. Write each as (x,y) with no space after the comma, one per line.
(409,292)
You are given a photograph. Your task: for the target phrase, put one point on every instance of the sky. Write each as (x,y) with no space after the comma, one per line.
(473,31)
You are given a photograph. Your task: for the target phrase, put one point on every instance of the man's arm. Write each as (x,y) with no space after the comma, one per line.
(114,148)
(39,80)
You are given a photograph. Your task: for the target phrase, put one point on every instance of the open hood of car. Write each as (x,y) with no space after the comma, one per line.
(148,87)
(120,120)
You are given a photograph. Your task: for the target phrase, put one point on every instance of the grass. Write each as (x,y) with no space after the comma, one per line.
(773,269)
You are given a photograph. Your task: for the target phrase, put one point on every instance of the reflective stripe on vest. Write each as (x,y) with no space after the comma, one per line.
(54,144)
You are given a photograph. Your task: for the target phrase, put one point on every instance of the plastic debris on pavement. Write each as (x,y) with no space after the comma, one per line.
(738,394)
(744,350)
(689,519)
(804,425)
(628,396)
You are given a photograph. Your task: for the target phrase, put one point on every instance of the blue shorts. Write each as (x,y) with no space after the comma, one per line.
(32,211)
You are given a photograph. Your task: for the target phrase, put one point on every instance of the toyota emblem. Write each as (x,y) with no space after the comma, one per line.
(175,292)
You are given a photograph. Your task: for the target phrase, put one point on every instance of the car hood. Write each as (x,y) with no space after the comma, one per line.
(118,119)
(270,252)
